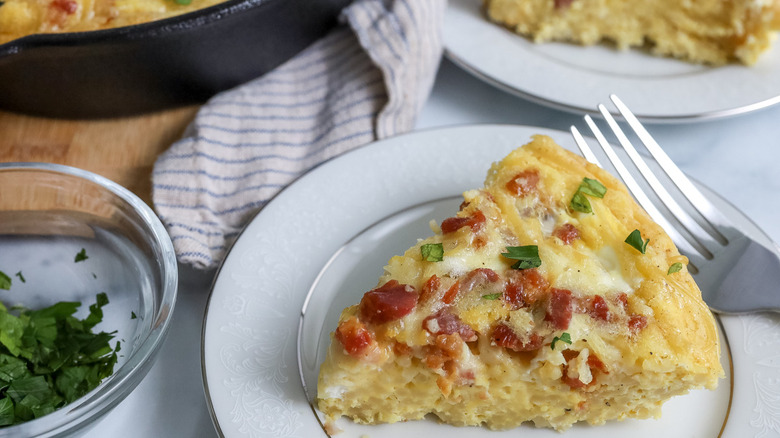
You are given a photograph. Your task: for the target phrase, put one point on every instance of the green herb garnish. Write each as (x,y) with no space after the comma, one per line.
(49,358)
(81,256)
(183,2)
(676,267)
(565,337)
(133,315)
(580,203)
(5,281)
(492,296)
(21,277)
(527,256)
(590,187)
(432,252)
(593,188)
(635,239)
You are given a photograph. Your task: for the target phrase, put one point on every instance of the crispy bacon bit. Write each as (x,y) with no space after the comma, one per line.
(354,336)
(524,288)
(388,302)
(637,323)
(476,221)
(451,293)
(594,363)
(561,4)
(478,276)
(503,336)
(401,349)
(567,233)
(622,300)
(571,381)
(523,183)
(559,310)
(598,308)
(429,288)
(67,6)
(444,322)
(444,349)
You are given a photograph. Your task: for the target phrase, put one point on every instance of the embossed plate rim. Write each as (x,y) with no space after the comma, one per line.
(252,382)
(668,91)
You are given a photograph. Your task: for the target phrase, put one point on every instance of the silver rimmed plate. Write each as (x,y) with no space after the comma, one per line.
(572,77)
(324,240)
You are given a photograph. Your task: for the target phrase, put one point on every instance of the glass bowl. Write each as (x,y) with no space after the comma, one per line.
(48,214)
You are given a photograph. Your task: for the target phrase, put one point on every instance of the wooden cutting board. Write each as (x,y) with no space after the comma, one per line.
(122,149)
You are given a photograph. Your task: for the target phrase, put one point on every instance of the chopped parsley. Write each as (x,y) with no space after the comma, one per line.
(565,337)
(5,281)
(527,256)
(432,252)
(133,315)
(81,256)
(676,267)
(21,277)
(492,296)
(635,240)
(49,358)
(590,187)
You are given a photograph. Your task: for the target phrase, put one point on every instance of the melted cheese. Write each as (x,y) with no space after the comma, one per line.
(647,330)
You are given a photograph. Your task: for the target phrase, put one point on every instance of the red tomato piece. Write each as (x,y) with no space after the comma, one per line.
(559,310)
(445,322)
(389,302)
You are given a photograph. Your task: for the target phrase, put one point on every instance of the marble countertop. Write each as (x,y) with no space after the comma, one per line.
(736,157)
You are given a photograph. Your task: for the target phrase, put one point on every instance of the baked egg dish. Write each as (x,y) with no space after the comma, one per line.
(549,298)
(20,18)
(702,31)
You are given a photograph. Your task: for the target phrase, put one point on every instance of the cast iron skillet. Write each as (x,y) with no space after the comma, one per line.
(151,66)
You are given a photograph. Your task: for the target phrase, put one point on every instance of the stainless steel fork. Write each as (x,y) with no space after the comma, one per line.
(735,273)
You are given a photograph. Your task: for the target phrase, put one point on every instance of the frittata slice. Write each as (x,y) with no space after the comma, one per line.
(531,304)
(704,31)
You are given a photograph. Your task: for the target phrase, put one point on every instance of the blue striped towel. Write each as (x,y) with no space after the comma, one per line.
(366,80)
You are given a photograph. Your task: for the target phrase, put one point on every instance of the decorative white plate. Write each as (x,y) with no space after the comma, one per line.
(576,78)
(324,240)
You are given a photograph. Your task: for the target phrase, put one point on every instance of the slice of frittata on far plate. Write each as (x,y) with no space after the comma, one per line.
(550,297)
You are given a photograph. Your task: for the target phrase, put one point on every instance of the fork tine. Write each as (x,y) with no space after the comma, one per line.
(584,148)
(708,211)
(682,243)
(687,222)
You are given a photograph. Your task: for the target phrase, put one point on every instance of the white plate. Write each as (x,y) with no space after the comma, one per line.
(324,240)
(576,78)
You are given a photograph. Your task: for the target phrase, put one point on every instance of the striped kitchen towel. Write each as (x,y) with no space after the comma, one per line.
(366,80)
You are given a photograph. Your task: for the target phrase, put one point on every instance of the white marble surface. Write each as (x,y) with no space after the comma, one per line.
(737,158)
